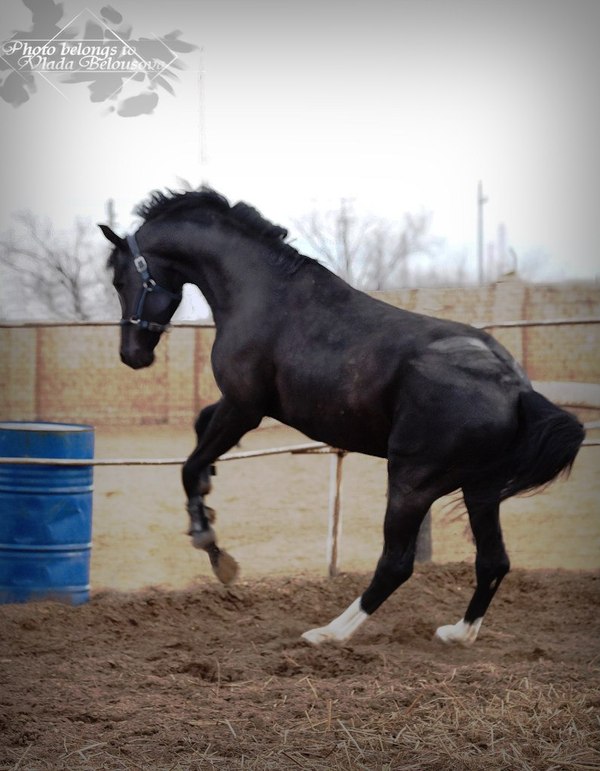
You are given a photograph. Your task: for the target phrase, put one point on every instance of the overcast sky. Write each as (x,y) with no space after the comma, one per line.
(399,105)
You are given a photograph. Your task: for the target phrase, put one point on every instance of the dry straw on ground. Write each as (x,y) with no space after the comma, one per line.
(210,678)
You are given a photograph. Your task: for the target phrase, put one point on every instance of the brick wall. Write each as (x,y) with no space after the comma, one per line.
(64,373)
(74,374)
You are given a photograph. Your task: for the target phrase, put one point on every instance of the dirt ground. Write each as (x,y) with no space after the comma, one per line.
(165,669)
(210,678)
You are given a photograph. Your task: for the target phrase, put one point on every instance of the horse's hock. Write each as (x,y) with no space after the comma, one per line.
(53,371)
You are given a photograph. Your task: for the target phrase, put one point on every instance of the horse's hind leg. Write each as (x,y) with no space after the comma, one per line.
(491,565)
(407,506)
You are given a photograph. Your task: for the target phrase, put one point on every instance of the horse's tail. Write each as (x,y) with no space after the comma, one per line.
(548,440)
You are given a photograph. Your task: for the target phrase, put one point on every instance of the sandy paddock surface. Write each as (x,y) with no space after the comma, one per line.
(189,675)
(208,678)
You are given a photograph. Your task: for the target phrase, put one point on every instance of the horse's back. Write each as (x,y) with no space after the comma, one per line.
(350,372)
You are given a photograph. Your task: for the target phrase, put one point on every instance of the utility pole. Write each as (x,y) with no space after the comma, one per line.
(202,155)
(111,219)
(424,550)
(481,201)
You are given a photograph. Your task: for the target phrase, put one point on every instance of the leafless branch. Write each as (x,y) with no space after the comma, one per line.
(369,252)
(54,274)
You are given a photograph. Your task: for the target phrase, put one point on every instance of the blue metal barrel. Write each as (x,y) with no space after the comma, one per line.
(45,513)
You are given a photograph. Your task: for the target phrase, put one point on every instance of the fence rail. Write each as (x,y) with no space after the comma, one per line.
(316,448)
(334,518)
(337,456)
(210,325)
(310,448)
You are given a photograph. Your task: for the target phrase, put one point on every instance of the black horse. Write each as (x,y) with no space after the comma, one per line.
(446,404)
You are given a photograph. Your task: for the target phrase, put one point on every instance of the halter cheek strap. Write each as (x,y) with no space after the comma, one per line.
(149,286)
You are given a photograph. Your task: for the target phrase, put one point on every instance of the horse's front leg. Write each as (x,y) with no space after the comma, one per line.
(202,517)
(196,478)
(218,428)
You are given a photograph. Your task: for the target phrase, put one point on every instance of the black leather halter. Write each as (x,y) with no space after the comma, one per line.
(149,286)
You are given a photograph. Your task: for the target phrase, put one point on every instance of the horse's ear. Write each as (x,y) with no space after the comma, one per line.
(113,237)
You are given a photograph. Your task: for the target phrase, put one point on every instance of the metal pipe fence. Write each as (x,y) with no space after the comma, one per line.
(312,448)
(210,324)
(334,519)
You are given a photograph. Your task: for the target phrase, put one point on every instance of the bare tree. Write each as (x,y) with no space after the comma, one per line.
(366,251)
(55,275)
(337,237)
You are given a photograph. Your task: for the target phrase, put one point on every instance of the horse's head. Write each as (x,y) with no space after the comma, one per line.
(149,292)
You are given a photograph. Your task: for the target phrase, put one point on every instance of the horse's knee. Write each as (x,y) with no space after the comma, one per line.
(186,471)
(189,477)
(196,478)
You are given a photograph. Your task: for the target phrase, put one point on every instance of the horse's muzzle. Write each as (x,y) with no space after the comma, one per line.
(137,358)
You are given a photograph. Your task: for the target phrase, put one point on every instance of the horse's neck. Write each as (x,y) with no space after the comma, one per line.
(230,271)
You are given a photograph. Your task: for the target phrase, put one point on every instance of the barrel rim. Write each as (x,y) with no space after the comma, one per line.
(43,425)
(41,549)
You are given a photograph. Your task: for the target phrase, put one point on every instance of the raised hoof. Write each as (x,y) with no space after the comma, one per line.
(223,564)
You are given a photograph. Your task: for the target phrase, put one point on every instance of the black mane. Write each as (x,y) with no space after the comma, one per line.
(241,215)
(159,203)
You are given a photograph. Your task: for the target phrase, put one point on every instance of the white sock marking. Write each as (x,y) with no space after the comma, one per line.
(461,632)
(341,628)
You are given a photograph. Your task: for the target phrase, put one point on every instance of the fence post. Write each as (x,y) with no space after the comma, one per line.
(334,524)
(424,547)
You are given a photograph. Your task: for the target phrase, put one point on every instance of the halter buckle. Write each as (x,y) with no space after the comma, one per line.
(140,263)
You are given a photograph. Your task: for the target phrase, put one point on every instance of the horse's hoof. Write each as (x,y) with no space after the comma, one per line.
(203,539)
(223,564)
(317,636)
(461,633)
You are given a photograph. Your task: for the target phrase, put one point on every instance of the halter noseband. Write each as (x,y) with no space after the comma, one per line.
(149,285)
